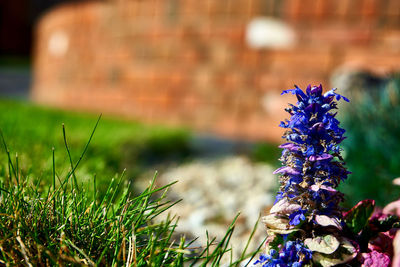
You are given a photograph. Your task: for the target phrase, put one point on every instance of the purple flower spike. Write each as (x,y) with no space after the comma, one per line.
(307,197)
(312,154)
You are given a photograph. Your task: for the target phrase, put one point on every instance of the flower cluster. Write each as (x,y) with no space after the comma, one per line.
(292,253)
(312,163)
(306,225)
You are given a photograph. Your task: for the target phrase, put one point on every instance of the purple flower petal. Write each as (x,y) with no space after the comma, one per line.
(290,146)
(293,91)
(332,93)
(315,188)
(324,156)
(316,89)
(286,170)
(308,89)
(312,158)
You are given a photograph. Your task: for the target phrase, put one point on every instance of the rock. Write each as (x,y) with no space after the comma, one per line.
(213,192)
(264,32)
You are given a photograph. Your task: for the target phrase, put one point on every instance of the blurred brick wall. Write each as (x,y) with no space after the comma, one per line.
(186,62)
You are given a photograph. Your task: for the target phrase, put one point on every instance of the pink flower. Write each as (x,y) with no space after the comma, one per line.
(375,259)
(392,208)
(396,250)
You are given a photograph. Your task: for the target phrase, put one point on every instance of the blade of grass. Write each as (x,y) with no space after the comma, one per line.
(250,237)
(11,166)
(80,158)
(91,263)
(70,158)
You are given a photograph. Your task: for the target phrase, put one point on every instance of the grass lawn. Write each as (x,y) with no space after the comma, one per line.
(47,219)
(33,131)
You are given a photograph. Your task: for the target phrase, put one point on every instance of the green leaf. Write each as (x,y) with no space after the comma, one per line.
(325,244)
(386,223)
(357,218)
(273,241)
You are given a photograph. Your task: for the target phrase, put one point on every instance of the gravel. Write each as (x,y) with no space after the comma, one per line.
(212,194)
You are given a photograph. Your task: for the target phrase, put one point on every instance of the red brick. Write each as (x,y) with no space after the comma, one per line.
(341,9)
(321,10)
(227,125)
(381,61)
(221,55)
(293,9)
(369,10)
(334,35)
(300,61)
(260,127)
(189,64)
(265,81)
(304,80)
(249,58)
(389,39)
(203,78)
(392,12)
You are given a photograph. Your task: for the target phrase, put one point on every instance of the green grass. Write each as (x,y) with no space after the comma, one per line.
(49,217)
(267,152)
(68,225)
(33,131)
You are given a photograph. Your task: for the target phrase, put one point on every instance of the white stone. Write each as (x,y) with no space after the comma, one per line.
(264,32)
(58,43)
(213,192)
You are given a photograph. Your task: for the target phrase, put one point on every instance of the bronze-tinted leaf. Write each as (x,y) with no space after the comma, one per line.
(345,253)
(325,244)
(326,221)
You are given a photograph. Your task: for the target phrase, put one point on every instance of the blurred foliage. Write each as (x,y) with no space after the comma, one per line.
(14,62)
(267,152)
(372,147)
(32,131)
